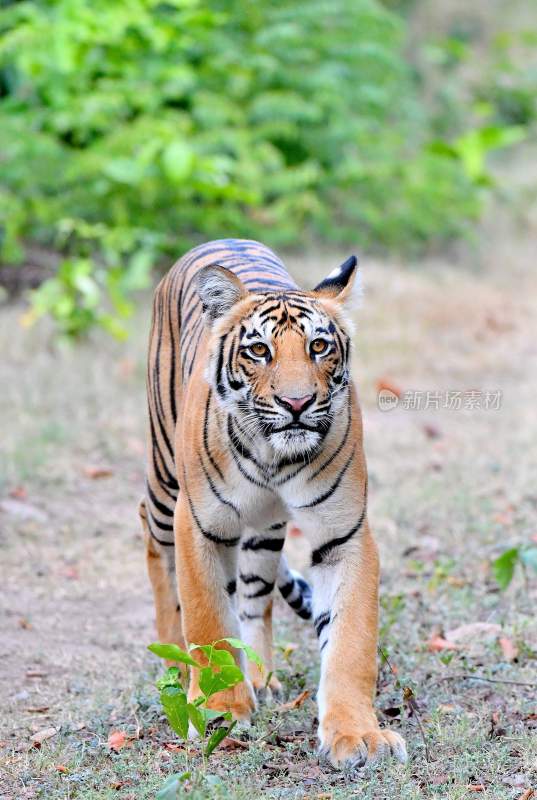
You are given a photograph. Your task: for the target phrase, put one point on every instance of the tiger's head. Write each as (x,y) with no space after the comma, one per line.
(279,360)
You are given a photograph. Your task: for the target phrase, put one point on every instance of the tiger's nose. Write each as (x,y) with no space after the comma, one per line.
(296,404)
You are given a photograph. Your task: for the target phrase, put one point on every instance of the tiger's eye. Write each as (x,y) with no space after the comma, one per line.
(259,349)
(318,346)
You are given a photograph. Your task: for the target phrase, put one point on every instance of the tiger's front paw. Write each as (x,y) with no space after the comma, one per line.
(347,746)
(265,692)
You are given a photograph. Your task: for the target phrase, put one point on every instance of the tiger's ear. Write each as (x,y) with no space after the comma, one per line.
(219,289)
(339,283)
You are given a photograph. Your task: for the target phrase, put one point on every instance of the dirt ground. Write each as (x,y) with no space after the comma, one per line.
(450,490)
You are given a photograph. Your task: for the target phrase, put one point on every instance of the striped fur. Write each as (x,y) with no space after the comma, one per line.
(254,421)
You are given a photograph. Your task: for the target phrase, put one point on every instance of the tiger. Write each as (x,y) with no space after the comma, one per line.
(254,423)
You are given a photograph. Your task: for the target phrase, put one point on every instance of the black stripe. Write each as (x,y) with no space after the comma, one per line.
(212,537)
(220,388)
(160,541)
(286,589)
(172,356)
(263,544)
(206,437)
(215,491)
(267,588)
(163,526)
(259,484)
(231,588)
(321,621)
(295,604)
(168,512)
(329,492)
(338,450)
(318,555)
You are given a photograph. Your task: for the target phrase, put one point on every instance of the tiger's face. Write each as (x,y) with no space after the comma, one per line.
(279,361)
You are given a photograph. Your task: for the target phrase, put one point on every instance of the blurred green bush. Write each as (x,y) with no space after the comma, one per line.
(131,130)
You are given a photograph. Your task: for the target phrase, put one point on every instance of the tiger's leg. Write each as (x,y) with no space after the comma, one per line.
(259,559)
(204,570)
(345,607)
(161,569)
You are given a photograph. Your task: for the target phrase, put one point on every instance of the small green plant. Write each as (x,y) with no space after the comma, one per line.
(504,566)
(219,673)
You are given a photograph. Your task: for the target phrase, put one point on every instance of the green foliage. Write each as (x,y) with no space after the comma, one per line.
(504,566)
(130,131)
(219,673)
(472,148)
(509,89)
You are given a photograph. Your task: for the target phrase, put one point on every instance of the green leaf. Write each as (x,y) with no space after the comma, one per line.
(222,658)
(178,160)
(171,652)
(212,682)
(174,702)
(528,556)
(218,736)
(197,718)
(172,677)
(504,567)
(248,651)
(171,786)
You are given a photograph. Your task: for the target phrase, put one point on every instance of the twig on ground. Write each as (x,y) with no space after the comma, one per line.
(464,677)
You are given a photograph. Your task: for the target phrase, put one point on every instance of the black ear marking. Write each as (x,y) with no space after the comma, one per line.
(338,279)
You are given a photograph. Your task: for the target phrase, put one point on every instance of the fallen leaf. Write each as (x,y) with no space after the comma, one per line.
(18,493)
(117,740)
(473,630)
(229,743)
(173,747)
(41,736)
(431,431)
(527,795)
(387,385)
(296,702)
(437,643)
(509,650)
(37,709)
(476,787)
(35,673)
(61,768)
(447,708)
(453,580)
(96,472)
(25,624)
(71,572)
